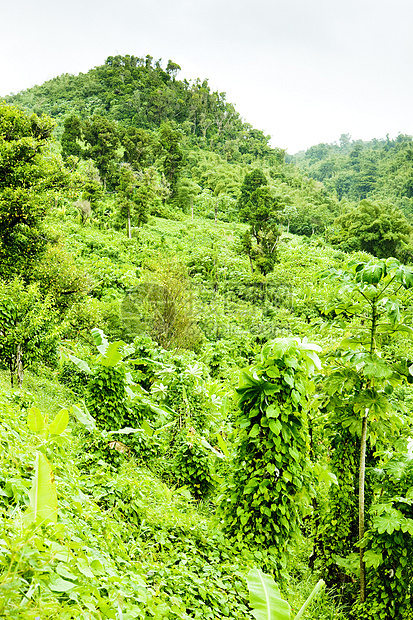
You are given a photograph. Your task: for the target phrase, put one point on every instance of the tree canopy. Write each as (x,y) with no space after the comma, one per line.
(378,229)
(25,175)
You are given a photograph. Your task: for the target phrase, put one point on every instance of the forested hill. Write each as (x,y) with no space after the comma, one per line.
(192,150)
(188,143)
(354,170)
(138,92)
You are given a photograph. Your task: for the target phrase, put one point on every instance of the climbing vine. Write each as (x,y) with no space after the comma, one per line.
(271,478)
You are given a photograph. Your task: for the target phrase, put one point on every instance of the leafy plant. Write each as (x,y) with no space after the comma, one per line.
(271,480)
(361,381)
(266,601)
(192,464)
(29,329)
(25,174)
(388,543)
(43,495)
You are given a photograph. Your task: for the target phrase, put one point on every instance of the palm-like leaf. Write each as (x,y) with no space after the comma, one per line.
(43,496)
(265,597)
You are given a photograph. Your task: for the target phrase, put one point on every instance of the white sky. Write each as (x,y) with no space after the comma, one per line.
(302,71)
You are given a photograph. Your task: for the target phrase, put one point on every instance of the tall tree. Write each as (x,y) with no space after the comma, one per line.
(172,156)
(260,208)
(72,135)
(29,329)
(361,379)
(138,145)
(23,180)
(138,193)
(103,143)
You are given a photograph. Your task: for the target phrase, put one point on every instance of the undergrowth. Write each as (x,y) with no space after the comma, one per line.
(125,546)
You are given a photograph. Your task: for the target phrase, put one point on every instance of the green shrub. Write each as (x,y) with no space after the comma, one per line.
(192,464)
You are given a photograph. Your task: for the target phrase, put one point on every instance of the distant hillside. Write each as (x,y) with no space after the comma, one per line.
(353,170)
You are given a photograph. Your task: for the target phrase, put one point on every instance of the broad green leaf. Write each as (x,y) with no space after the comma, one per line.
(350,562)
(131,393)
(129,379)
(372,401)
(63,571)
(255,431)
(147,428)
(222,444)
(57,584)
(81,364)
(99,338)
(35,420)
(59,424)
(405,276)
(246,380)
(265,598)
(287,475)
(275,426)
(270,388)
(389,521)
(408,278)
(315,360)
(407,526)
(185,492)
(84,567)
(404,329)
(112,356)
(207,445)
(323,474)
(273,372)
(272,411)
(377,368)
(393,311)
(84,417)
(43,496)
(372,273)
(372,559)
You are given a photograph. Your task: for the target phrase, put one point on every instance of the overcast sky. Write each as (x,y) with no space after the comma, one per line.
(302,71)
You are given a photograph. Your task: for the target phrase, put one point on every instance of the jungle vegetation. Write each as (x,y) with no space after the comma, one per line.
(206,360)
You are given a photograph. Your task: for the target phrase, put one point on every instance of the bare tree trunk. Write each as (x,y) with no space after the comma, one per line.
(11,368)
(19,366)
(362,473)
(362,468)
(129,227)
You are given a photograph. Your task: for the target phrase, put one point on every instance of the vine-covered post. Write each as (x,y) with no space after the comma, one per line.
(270,483)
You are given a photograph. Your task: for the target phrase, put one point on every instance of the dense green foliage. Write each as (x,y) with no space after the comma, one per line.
(259,208)
(373,228)
(354,170)
(389,543)
(25,177)
(156,253)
